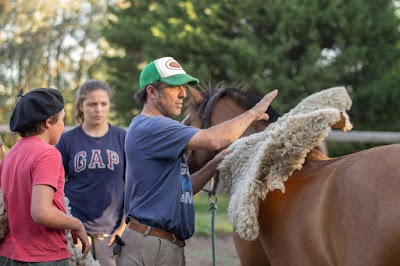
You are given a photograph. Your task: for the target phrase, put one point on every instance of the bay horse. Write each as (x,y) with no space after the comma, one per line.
(335,211)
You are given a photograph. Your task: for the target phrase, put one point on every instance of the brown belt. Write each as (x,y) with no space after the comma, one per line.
(148,230)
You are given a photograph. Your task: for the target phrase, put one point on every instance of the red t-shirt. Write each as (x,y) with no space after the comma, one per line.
(31,162)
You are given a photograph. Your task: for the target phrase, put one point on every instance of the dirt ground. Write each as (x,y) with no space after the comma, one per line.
(198,251)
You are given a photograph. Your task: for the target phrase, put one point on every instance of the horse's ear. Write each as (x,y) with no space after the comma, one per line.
(195,95)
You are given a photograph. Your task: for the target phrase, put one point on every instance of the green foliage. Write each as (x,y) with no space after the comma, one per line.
(377,105)
(298,47)
(127,30)
(336,149)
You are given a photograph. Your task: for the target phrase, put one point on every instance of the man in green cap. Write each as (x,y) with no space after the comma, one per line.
(159,189)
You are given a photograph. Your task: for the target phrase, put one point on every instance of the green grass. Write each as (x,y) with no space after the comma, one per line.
(203,215)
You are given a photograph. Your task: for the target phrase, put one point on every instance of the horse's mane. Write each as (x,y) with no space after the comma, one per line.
(239,94)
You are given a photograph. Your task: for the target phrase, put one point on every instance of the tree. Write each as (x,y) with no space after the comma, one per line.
(299,47)
(127,32)
(45,44)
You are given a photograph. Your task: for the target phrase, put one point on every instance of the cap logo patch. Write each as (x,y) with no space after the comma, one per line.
(167,70)
(168,66)
(173,64)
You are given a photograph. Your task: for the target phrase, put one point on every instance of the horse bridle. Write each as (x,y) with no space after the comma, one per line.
(206,123)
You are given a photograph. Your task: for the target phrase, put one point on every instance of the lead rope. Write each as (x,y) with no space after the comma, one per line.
(213,207)
(212,194)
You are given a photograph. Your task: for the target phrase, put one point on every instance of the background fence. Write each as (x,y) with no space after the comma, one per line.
(335,135)
(364,136)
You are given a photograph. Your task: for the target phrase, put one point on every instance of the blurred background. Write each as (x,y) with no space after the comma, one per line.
(298,47)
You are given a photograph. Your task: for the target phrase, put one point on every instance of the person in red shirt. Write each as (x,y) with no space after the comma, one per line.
(32,182)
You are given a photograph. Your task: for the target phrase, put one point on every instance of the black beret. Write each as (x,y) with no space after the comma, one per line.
(35,107)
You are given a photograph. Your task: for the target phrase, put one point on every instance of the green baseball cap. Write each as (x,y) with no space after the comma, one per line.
(167,70)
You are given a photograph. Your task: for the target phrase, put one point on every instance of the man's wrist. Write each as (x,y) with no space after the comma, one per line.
(253,114)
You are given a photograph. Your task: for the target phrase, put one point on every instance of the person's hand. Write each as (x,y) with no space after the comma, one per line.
(82,236)
(261,107)
(117,232)
(220,156)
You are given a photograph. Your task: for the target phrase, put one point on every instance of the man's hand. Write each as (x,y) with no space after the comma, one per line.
(261,107)
(220,156)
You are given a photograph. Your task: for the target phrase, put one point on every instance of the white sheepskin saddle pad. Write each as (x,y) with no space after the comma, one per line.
(3,218)
(263,161)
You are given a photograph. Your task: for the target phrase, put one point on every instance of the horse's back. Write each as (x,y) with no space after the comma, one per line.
(342,211)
